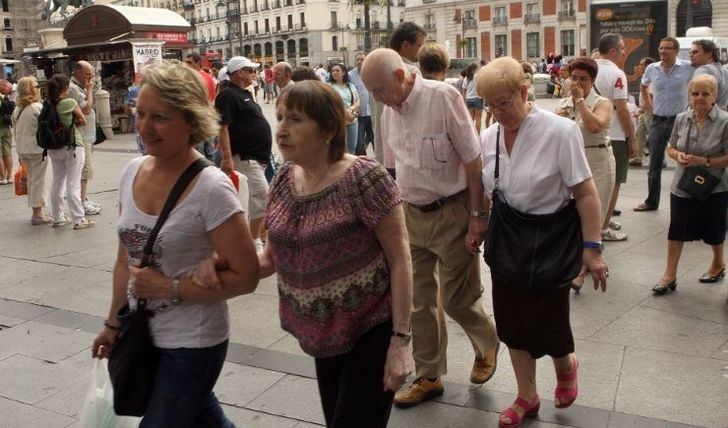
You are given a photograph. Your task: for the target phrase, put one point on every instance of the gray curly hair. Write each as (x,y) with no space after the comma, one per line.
(181,87)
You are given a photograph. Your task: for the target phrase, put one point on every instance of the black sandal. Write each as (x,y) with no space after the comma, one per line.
(710,279)
(660,289)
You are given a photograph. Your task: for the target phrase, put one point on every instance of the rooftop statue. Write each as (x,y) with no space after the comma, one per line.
(51,6)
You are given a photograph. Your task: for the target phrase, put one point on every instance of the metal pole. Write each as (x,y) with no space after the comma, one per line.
(228,21)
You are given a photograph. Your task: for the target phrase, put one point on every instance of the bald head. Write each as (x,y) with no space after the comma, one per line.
(5,87)
(282,72)
(83,71)
(385,76)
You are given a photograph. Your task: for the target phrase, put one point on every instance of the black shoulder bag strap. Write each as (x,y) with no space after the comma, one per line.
(496,173)
(182,182)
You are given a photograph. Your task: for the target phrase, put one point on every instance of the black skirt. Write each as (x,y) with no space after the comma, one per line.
(535,321)
(693,220)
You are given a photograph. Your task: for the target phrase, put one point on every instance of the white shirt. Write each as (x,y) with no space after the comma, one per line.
(611,82)
(546,161)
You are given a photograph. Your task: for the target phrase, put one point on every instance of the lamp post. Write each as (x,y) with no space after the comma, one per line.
(228,23)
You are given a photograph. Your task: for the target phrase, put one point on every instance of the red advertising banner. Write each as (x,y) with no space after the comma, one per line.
(175,38)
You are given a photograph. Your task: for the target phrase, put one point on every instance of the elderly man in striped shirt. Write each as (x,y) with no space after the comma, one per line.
(432,145)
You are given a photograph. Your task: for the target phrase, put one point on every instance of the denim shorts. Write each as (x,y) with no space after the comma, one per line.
(476,103)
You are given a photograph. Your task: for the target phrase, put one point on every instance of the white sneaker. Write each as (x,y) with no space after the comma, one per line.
(61,222)
(89,208)
(613,235)
(614,225)
(84,223)
(259,245)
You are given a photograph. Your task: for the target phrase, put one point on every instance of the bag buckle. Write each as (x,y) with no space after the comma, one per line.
(699,179)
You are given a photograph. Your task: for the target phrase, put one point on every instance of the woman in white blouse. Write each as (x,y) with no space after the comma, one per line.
(542,166)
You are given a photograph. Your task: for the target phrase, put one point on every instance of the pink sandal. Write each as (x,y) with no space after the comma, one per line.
(529,410)
(567,395)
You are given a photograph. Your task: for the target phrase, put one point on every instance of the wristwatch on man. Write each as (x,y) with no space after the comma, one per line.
(479,214)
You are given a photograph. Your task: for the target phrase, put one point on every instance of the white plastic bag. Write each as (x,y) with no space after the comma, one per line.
(98,406)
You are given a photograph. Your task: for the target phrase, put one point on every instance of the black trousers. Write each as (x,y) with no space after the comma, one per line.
(351,385)
(366,135)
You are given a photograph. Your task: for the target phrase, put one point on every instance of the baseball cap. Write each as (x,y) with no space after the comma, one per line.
(223,74)
(237,62)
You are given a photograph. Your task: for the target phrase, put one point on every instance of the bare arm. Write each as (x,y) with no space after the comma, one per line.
(80,117)
(587,203)
(476,226)
(598,120)
(227,155)
(232,242)
(267,262)
(107,337)
(645,99)
(625,119)
(392,235)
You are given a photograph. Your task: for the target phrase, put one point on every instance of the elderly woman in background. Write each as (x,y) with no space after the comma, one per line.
(339,80)
(537,177)
(593,114)
(434,61)
(25,126)
(190,327)
(699,139)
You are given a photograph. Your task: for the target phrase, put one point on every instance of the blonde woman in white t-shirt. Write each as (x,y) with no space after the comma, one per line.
(190,327)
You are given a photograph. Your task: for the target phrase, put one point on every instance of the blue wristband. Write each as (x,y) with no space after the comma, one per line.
(593,245)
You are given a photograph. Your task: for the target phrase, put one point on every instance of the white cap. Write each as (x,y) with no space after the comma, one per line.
(222,74)
(237,62)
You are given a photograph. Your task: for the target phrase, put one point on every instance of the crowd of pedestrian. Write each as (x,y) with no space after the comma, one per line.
(371,254)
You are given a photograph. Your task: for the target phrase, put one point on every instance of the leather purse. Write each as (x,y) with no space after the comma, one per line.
(100,135)
(697,181)
(531,251)
(134,360)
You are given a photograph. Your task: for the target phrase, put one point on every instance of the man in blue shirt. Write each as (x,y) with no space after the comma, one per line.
(366,133)
(667,80)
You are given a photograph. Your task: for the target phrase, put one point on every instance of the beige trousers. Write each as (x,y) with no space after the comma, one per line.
(443,283)
(602,165)
(36,168)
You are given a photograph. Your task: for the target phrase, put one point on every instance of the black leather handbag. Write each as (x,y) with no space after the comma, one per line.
(134,360)
(697,181)
(100,135)
(530,251)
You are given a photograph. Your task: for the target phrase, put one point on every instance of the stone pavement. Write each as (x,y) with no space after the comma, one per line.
(646,361)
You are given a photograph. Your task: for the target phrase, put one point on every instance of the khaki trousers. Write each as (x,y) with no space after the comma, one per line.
(443,283)
(36,169)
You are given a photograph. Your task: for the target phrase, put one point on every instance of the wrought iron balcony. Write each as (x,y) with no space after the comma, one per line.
(567,15)
(500,20)
(470,24)
(531,18)
(430,26)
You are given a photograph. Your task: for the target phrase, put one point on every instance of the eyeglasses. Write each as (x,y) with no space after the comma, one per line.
(694,51)
(248,69)
(584,79)
(502,105)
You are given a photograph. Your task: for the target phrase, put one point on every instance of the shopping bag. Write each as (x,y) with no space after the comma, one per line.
(240,182)
(21,181)
(98,406)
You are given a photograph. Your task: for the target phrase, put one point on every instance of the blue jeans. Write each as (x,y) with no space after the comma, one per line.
(366,134)
(352,134)
(182,395)
(657,141)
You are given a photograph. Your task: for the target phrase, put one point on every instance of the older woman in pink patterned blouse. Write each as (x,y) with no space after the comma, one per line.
(337,239)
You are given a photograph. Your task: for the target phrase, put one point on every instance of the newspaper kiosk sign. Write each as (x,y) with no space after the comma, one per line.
(146,53)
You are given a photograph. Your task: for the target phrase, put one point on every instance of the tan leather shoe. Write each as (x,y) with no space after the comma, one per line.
(484,368)
(420,390)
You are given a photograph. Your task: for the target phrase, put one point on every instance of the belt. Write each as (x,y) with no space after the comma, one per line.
(663,118)
(599,146)
(433,206)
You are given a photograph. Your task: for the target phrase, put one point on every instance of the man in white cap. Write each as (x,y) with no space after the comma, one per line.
(245,137)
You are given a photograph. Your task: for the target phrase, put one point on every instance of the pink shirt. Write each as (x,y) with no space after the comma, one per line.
(428,140)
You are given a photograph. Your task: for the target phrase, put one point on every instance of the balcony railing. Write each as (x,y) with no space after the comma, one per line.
(264,6)
(253,9)
(276,4)
(531,18)
(567,15)
(430,26)
(300,1)
(299,27)
(470,24)
(374,25)
(500,20)
(334,26)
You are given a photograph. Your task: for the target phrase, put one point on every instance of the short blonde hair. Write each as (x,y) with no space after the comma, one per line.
(433,58)
(28,92)
(182,88)
(704,78)
(503,72)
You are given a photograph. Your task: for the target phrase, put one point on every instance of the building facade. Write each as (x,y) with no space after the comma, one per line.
(532,29)
(297,31)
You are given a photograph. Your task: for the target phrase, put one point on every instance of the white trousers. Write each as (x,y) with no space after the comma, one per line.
(67,165)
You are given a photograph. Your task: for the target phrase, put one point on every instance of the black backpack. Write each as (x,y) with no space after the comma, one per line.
(52,135)
(6,110)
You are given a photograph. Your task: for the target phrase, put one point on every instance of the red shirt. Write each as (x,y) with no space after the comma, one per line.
(210,83)
(268,76)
